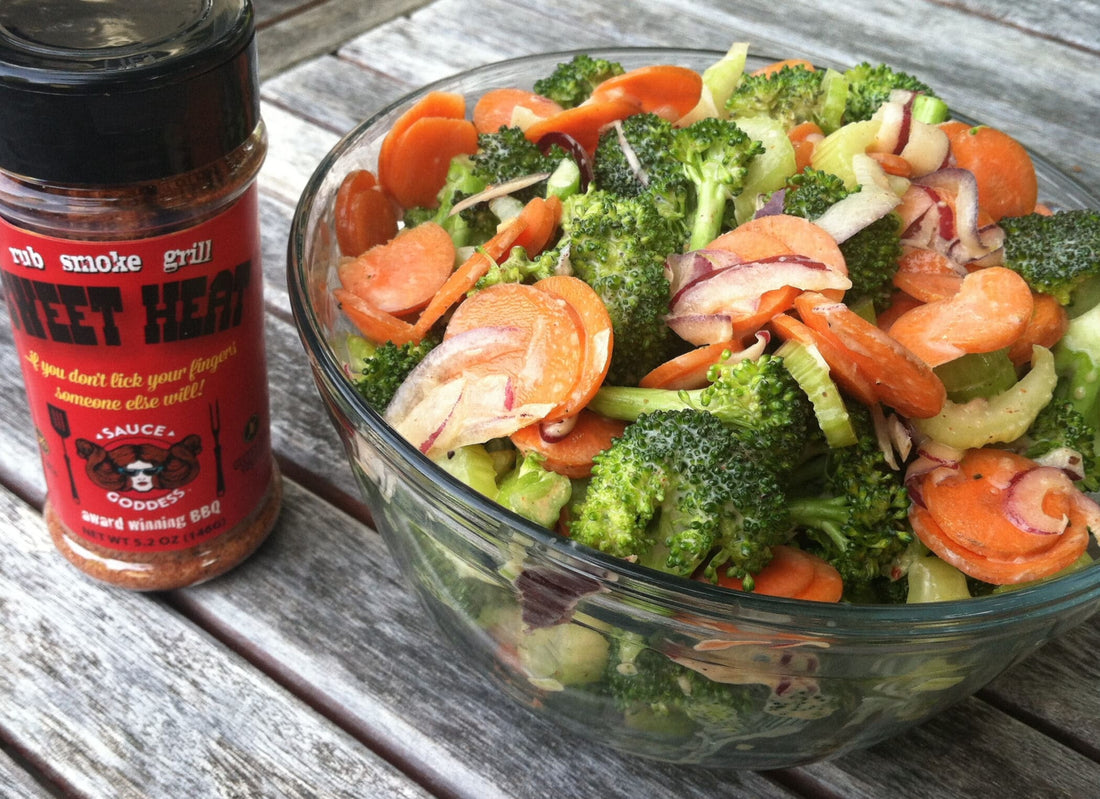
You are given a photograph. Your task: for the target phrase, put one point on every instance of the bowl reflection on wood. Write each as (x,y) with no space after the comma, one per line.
(649,664)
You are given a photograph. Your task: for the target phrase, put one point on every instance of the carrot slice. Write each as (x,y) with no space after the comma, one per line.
(776,66)
(584,122)
(377,326)
(842,368)
(495,109)
(900,302)
(549,368)
(363,214)
(541,217)
(793,573)
(572,453)
(751,244)
(1007,182)
(663,89)
(419,158)
(689,370)
(451,105)
(898,377)
(927,275)
(892,164)
(989,312)
(402,275)
(597,339)
(804,137)
(1046,327)
(963,520)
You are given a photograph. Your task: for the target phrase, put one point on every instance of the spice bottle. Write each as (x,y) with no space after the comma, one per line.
(130,140)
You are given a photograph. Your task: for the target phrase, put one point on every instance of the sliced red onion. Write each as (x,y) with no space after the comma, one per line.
(774,205)
(1023,500)
(874,200)
(552,432)
(574,149)
(683,269)
(740,286)
(943,454)
(498,190)
(893,129)
(1089,509)
(700,329)
(973,242)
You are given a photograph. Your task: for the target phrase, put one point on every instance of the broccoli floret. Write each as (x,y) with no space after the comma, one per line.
(534,492)
(858,518)
(809,193)
(871,253)
(758,398)
(716,155)
(1057,254)
(518,268)
(618,245)
(870,86)
(571,82)
(634,156)
(656,694)
(377,371)
(1061,426)
(508,154)
(792,95)
(679,490)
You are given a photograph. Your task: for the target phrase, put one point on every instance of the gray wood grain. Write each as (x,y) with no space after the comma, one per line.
(124,698)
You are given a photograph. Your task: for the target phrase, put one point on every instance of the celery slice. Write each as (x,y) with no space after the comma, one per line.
(835,86)
(474,466)
(982,374)
(769,170)
(835,152)
(808,368)
(723,76)
(934,580)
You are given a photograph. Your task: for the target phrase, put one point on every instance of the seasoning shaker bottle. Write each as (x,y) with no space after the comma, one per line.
(130,140)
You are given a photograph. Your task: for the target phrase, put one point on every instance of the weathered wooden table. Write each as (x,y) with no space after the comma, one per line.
(310,670)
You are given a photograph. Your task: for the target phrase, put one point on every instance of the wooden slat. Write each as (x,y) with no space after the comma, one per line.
(115,695)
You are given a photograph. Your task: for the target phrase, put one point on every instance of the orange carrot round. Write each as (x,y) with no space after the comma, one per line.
(804,137)
(596,339)
(572,453)
(495,108)
(899,378)
(841,367)
(1007,182)
(689,370)
(584,122)
(793,573)
(420,157)
(403,274)
(798,235)
(1046,327)
(450,105)
(927,275)
(989,312)
(363,215)
(663,89)
(547,371)
(375,325)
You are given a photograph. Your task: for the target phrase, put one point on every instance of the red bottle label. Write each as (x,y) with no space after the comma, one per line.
(144,368)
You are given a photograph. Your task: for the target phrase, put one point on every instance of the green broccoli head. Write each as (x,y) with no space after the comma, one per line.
(678,490)
(508,154)
(518,268)
(716,155)
(1060,426)
(618,246)
(869,86)
(1057,254)
(634,157)
(792,94)
(758,399)
(872,257)
(572,82)
(809,193)
(379,370)
(858,519)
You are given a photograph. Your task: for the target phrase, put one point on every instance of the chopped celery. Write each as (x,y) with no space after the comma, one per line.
(724,75)
(835,152)
(1000,418)
(930,110)
(984,374)
(810,371)
(769,170)
(835,86)
(565,180)
(934,580)
(474,466)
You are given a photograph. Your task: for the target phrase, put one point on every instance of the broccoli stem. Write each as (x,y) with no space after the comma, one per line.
(825,514)
(710,207)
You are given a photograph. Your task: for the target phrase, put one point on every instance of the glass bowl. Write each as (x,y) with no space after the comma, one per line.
(753,682)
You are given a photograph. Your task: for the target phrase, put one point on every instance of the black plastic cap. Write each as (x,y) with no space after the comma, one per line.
(121,91)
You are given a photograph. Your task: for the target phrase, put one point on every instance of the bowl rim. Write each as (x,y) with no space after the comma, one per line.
(695,597)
